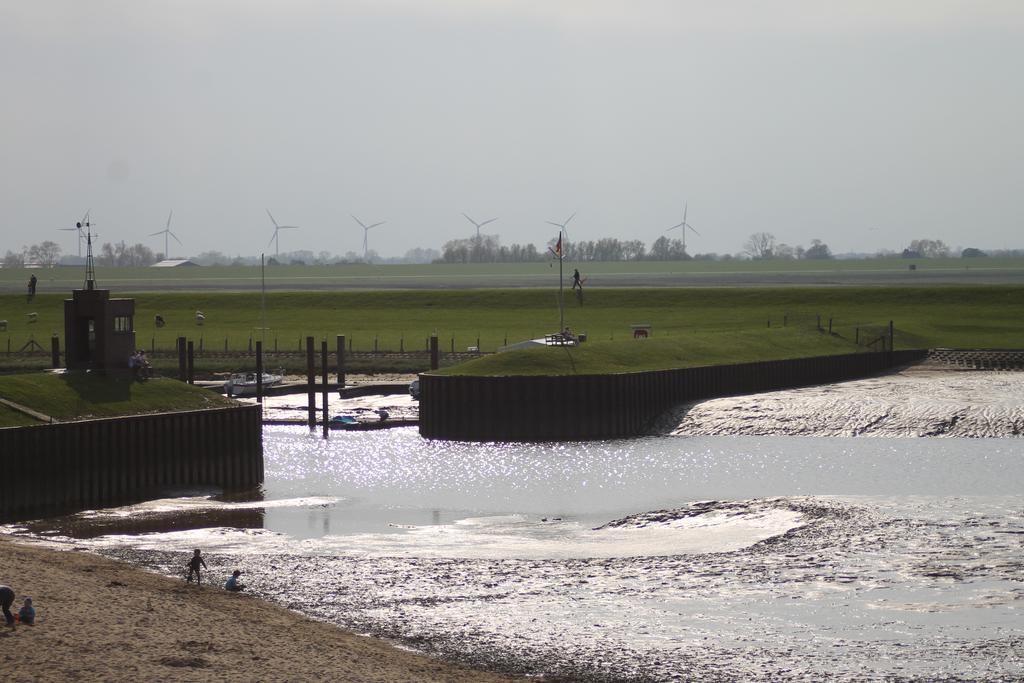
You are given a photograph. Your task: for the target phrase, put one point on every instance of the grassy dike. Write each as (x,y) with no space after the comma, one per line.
(657,354)
(960,316)
(80,396)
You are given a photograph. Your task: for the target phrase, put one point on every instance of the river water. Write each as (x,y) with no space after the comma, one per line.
(661,558)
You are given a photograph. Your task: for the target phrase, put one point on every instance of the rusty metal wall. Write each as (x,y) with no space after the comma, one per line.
(580,407)
(73,466)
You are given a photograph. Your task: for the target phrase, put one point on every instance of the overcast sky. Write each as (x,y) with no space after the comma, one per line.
(864,123)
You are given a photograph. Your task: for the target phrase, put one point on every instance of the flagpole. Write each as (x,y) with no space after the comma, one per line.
(263,298)
(561,286)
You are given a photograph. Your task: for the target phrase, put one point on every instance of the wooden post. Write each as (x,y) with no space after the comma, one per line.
(433,352)
(311,381)
(341,361)
(259,372)
(453,343)
(375,343)
(182,376)
(55,351)
(892,347)
(818,324)
(830,325)
(323,383)
(857,337)
(785,320)
(191,363)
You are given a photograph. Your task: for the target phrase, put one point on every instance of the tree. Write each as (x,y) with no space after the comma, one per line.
(784,251)
(664,249)
(972,252)
(929,248)
(760,245)
(14,259)
(212,258)
(818,250)
(46,253)
(633,250)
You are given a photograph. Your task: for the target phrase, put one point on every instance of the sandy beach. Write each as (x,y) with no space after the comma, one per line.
(101,620)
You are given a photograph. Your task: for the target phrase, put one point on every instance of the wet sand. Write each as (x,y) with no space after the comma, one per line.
(928,399)
(99,619)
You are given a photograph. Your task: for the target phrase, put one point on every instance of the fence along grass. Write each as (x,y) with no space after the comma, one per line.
(976,316)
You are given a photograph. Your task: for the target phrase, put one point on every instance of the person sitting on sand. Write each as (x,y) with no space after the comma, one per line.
(27,614)
(232,583)
(193,566)
(6,600)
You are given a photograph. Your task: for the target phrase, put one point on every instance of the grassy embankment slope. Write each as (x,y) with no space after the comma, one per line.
(82,396)
(707,324)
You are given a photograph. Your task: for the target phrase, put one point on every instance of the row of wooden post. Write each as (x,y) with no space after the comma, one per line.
(186,372)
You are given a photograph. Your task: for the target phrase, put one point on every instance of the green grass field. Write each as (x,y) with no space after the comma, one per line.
(83,396)
(593,358)
(958,316)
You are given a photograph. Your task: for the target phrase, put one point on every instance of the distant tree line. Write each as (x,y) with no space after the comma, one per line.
(488,249)
(45,253)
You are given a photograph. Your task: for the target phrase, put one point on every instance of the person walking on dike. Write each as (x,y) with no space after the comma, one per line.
(576,279)
(32,281)
(232,583)
(6,600)
(193,566)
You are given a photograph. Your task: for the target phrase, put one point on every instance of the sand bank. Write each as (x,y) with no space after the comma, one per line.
(921,400)
(101,620)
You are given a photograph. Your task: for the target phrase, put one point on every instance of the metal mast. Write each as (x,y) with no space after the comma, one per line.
(90,267)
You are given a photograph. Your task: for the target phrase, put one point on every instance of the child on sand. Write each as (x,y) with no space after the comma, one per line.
(232,583)
(27,614)
(193,566)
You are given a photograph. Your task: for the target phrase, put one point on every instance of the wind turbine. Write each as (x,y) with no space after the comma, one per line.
(479,225)
(277,229)
(683,227)
(366,231)
(84,223)
(167,232)
(562,225)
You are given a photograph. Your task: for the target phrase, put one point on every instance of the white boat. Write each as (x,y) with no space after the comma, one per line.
(244,383)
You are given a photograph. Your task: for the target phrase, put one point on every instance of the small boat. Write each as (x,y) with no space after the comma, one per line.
(244,383)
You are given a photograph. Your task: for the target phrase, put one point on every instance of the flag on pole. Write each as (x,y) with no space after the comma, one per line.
(558,246)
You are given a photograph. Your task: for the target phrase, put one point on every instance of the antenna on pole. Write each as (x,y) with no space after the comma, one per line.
(78,229)
(263,299)
(90,267)
(558,252)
